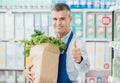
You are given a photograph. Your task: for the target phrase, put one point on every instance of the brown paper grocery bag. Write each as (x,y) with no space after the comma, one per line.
(45,60)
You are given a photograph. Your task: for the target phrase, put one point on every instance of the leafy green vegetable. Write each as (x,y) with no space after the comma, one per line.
(37,38)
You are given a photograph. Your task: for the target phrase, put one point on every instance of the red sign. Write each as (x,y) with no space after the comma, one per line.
(106,66)
(106,20)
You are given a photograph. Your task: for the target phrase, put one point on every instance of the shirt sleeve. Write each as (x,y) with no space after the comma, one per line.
(85,64)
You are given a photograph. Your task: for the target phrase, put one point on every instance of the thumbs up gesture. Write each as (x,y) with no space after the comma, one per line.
(75,52)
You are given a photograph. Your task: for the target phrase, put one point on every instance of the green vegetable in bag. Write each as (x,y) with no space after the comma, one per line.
(37,38)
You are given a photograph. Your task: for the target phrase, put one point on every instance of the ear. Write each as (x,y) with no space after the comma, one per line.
(70,18)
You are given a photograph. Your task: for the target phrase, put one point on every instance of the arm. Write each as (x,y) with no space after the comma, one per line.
(79,55)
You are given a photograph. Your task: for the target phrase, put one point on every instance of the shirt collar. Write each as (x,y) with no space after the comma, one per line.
(65,38)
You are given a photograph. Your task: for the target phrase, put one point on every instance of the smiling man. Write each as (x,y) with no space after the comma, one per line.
(74,59)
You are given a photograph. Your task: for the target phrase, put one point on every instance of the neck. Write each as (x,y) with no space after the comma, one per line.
(60,35)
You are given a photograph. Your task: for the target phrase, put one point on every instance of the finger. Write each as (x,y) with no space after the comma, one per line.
(30,77)
(29,66)
(29,81)
(76,56)
(76,59)
(26,71)
(75,50)
(74,43)
(75,53)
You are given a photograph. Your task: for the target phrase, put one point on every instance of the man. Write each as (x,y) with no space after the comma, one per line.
(74,59)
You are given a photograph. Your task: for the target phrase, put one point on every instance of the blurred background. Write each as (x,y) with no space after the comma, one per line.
(95,21)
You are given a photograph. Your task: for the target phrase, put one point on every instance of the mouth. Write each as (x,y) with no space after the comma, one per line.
(59,27)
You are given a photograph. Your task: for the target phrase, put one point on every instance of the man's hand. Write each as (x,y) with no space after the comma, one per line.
(28,74)
(75,52)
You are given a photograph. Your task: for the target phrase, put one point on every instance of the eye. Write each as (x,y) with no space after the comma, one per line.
(63,18)
(54,18)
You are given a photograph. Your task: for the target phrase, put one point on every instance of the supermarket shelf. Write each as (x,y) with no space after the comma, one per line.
(4,40)
(8,69)
(97,40)
(86,39)
(91,10)
(23,10)
(98,73)
(31,10)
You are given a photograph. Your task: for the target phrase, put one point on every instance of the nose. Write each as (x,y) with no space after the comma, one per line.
(58,21)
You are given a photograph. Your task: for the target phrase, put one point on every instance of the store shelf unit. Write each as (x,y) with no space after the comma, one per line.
(12,76)
(115,44)
(11,63)
(98,36)
(22,23)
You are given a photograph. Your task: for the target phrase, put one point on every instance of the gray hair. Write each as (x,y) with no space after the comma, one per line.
(60,7)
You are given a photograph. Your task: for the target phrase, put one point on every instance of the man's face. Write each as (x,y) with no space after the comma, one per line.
(61,21)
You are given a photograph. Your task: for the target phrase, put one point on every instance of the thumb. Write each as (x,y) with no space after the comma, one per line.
(29,66)
(74,43)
